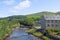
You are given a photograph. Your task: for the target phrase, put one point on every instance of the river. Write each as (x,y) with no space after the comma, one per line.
(19,34)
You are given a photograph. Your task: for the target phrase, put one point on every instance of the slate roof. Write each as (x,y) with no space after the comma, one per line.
(52,17)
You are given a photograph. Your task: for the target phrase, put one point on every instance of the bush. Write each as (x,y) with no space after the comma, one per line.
(31,31)
(46,38)
(53,31)
(38,34)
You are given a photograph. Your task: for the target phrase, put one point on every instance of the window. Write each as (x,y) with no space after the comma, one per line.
(52,21)
(48,25)
(56,21)
(52,25)
(56,25)
(48,21)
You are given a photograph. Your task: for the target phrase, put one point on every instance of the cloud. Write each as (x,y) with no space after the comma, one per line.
(8,2)
(22,5)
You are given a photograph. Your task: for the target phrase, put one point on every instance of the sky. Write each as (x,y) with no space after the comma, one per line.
(24,7)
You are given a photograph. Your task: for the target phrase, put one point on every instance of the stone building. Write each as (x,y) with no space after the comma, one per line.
(50,21)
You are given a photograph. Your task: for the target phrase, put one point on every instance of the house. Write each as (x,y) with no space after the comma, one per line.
(50,21)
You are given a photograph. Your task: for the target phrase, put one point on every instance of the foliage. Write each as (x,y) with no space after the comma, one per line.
(37,16)
(38,34)
(34,32)
(27,22)
(31,31)
(46,38)
(7,23)
(53,30)
(6,26)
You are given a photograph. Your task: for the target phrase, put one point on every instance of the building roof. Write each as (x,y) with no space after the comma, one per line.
(52,17)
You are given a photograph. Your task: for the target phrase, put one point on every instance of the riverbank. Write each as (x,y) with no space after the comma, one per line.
(50,34)
(8,34)
(17,32)
(39,35)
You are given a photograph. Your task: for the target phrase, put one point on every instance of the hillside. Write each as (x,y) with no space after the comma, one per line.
(34,15)
(37,16)
(7,23)
(14,17)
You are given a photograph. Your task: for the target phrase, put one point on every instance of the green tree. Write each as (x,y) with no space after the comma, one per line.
(28,22)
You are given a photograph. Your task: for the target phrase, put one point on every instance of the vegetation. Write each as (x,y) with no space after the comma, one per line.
(46,38)
(34,32)
(6,27)
(37,16)
(7,23)
(31,31)
(27,22)
(54,32)
(38,34)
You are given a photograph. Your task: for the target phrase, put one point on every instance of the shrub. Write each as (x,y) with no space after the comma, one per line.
(31,31)
(38,34)
(46,38)
(53,31)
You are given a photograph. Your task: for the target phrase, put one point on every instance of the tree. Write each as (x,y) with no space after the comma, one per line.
(28,22)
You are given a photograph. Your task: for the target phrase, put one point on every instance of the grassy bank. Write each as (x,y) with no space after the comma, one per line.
(54,31)
(34,32)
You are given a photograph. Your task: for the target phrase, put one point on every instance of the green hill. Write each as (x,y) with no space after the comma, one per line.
(7,23)
(34,15)
(37,16)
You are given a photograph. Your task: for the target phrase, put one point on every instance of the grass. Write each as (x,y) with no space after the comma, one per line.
(46,38)
(54,32)
(31,31)
(37,34)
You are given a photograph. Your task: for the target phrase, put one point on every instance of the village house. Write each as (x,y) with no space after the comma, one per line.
(50,21)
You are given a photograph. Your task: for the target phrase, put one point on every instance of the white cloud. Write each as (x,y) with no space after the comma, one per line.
(22,5)
(9,2)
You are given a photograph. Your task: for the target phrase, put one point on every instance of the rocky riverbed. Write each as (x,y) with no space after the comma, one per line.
(19,34)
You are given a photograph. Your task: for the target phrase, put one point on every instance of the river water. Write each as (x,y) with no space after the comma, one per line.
(18,34)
